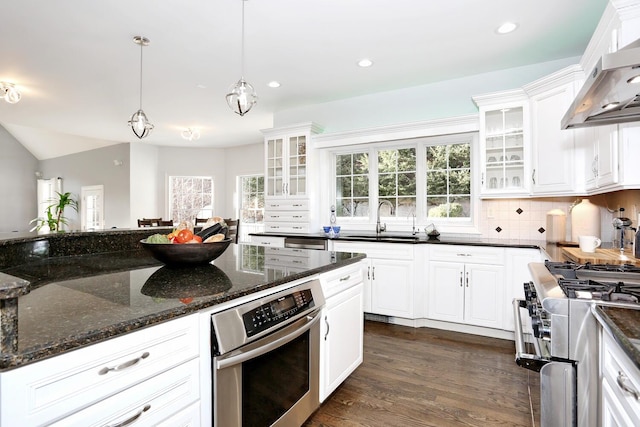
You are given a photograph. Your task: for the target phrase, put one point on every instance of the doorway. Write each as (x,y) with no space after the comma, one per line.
(92,207)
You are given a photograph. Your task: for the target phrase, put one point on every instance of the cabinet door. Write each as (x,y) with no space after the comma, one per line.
(484,291)
(275,168)
(445,298)
(503,141)
(342,339)
(552,173)
(392,287)
(297,163)
(607,142)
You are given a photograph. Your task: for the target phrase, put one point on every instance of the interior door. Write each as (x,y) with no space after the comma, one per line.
(92,207)
(46,194)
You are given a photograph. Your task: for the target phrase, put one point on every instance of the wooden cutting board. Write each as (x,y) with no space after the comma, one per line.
(600,256)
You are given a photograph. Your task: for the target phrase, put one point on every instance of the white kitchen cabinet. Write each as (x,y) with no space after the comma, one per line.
(553,149)
(504,143)
(466,285)
(272,241)
(342,327)
(620,379)
(288,178)
(56,388)
(601,154)
(390,276)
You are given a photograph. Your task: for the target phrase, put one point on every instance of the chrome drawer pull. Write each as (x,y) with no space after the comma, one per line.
(132,419)
(622,382)
(343,279)
(327,323)
(463,254)
(124,365)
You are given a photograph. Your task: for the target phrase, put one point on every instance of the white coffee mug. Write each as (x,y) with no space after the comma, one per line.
(589,243)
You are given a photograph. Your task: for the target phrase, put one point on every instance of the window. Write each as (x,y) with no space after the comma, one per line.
(428,177)
(252,199)
(352,185)
(448,181)
(190,197)
(397,180)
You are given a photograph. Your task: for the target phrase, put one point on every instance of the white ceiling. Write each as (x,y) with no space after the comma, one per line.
(78,68)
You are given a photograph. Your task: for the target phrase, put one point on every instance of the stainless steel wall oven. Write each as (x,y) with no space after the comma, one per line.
(266,359)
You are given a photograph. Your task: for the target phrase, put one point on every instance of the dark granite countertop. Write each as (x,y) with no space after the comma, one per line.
(83,299)
(624,324)
(406,237)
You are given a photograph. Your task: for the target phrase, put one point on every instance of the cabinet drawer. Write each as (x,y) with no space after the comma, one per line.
(286,205)
(285,227)
(616,366)
(467,254)
(286,216)
(56,387)
(377,250)
(291,252)
(145,404)
(336,281)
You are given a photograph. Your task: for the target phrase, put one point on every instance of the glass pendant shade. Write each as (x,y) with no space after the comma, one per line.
(140,124)
(10,93)
(242,97)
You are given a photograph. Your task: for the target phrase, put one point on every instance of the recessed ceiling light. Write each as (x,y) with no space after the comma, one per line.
(364,63)
(506,28)
(635,79)
(201,86)
(273,84)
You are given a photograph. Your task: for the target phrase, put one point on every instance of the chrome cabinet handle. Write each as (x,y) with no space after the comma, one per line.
(533,176)
(622,382)
(124,365)
(463,254)
(467,279)
(345,278)
(131,420)
(368,273)
(373,273)
(326,321)
(461,279)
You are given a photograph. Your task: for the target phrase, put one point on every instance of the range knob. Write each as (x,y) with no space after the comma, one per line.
(533,308)
(537,326)
(530,292)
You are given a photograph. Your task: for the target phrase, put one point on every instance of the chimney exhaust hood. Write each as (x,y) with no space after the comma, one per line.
(611,93)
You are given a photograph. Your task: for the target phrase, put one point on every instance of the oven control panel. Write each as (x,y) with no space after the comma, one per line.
(276,311)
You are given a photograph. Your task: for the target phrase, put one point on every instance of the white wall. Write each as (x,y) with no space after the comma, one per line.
(17,186)
(145,185)
(243,160)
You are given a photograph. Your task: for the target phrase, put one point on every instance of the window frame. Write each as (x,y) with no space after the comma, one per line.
(170,186)
(466,225)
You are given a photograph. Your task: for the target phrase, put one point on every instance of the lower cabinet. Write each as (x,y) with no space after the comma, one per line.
(341,335)
(620,385)
(389,276)
(149,374)
(461,289)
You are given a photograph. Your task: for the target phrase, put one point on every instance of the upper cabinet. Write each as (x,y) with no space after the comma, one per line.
(504,143)
(288,169)
(553,150)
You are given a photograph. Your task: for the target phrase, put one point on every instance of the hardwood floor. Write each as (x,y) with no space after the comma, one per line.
(428,377)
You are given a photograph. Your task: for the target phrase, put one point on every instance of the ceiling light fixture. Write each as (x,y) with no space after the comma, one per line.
(506,28)
(273,84)
(242,96)
(191,134)
(9,92)
(138,121)
(364,63)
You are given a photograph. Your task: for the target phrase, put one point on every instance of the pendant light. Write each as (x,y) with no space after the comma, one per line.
(242,96)
(139,122)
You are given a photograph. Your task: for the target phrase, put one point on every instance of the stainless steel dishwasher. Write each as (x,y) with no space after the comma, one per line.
(317,243)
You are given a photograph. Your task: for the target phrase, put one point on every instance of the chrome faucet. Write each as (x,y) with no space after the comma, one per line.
(382,227)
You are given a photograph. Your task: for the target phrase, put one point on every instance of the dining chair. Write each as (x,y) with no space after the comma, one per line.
(154,221)
(145,223)
(234,228)
(167,223)
(201,221)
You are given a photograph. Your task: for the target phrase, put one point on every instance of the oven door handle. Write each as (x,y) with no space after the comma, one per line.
(524,359)
(270,342)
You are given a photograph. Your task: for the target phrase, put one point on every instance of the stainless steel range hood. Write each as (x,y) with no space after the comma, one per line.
(610,94)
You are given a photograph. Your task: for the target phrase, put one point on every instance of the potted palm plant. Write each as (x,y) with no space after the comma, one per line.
(55,212)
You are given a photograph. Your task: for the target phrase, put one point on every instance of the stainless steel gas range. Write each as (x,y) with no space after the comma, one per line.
(563,346)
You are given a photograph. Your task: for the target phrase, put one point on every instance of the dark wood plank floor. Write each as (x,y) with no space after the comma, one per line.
(428,377)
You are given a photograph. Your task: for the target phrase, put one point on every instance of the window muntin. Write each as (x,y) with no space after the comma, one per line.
(352,184)
(190,197)
(448,181)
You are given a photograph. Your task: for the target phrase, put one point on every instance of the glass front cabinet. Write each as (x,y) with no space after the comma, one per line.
(504,144)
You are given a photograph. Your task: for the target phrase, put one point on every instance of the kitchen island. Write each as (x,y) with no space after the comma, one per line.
(78,289)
